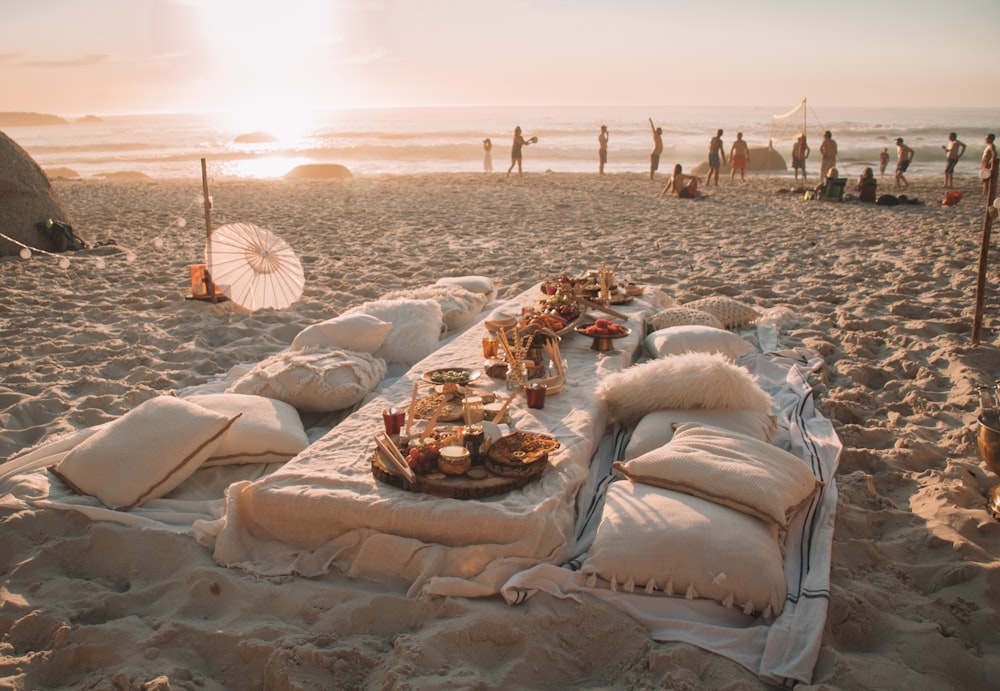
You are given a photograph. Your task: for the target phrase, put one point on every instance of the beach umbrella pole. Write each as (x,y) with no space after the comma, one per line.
(984,247)
(209,283)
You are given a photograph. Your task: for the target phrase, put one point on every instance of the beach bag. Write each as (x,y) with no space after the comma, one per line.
(952,197)
(887,200)
(62,235)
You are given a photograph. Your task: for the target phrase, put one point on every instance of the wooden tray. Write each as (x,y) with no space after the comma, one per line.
(451,486)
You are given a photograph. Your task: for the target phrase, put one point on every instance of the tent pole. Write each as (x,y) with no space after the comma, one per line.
(209,283)
(984,247)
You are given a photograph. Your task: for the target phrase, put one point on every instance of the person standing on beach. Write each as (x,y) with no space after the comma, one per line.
(739,155)
(602,147)
(515,150)
(715,152)
(989,160)
(828,150)
(904,155)
(487,156)
(883,161)
(654,157)
(953,151)
(800,152)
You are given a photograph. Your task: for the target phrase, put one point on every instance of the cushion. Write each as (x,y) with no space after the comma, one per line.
(655,541)
(145,453)
(416,328)
(267,431)
(361,333)
(475,284)
(695,338)
(657,428)
(681,316)
(692,380)
(728,468)
(314,380)
(459,306)
(731,313)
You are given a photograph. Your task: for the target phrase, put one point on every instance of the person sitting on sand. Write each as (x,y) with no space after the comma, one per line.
(682,185)
(867,186)
(832,186)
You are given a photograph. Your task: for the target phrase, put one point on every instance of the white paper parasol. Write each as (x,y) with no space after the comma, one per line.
(253,267)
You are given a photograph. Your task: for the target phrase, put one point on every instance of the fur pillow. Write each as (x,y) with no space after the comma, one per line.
(657,428)
(145,453)
(728,468)
(731,313)
(417,326)
(459,306)
(314,380)
(476,284)
(682,316)
(267,431)
(692,380)
(695,338)
(658,542)
(361,333)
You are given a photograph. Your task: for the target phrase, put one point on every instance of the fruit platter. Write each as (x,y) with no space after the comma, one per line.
(603,331)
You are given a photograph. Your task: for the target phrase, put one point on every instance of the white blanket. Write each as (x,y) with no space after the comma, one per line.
(324,509)
(785,651)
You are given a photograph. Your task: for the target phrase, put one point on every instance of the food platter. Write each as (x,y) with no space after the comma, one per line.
(452,375)
(602,342)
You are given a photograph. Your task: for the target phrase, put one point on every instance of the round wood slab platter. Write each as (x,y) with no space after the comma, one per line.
(452,486)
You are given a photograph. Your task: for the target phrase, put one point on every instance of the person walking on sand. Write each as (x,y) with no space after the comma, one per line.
(654,157)
(989,160)
(828,152)
(602,147)
(681,185)
(904,155)
(487,156)
(739,155)
(800,152)
(883,161)
(715,153)
(515,150)
(953,151)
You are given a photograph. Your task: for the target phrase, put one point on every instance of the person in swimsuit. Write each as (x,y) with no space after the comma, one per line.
(953,151)
(800,152)
(904,155)
(716,154)
(487,156)
(515,150)
(681,185)
(654,157)
(883,161)
(828,150)
(602,147)
(739,154)
(989,159)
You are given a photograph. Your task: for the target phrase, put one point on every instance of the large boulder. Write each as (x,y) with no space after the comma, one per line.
(26,199)
(762,158)
(319,171)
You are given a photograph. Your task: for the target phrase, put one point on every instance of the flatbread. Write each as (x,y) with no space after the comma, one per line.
(425,406)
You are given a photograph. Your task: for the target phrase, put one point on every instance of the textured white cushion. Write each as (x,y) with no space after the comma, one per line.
(267,431)
(659,542)
(728,468)
(657,428)
(416,331)
(361,333)
(145,453)
(476,284)
(731,313)
(459,306)
(695,338)
(692,380)
(314,380)
(681,316)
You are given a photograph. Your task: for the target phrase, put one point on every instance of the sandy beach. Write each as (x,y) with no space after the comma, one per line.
(884,295)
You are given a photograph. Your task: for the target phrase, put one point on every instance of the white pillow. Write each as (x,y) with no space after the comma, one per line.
(314,380)
(145,453)
(459,306)
(692,380)
(361,333)
(681,316)
(416,331)
(659,542)
(695,338)
(728,468)
(731,313)
(476,284)
(268,430)
(657,428)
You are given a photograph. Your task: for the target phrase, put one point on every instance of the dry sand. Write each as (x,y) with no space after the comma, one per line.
(886,295)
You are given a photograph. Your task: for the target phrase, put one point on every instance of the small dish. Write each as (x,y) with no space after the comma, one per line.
(452,375)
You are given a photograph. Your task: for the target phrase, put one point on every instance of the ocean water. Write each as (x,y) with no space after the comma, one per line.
(414,140)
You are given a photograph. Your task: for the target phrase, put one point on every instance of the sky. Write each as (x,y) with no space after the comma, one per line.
(76,57)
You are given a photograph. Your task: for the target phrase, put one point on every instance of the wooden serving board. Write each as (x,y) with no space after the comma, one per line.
(451,486)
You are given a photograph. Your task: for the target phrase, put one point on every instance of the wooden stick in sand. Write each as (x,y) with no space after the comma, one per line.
(984,248)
